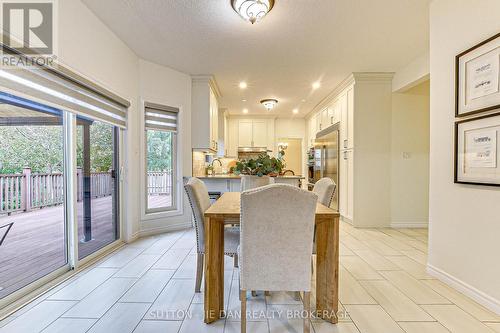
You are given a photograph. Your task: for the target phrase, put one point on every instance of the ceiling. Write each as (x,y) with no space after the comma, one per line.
(298,43)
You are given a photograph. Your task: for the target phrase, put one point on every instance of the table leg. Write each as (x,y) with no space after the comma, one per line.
(327,268)
(214,269)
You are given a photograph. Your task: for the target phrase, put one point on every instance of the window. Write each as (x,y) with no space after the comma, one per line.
(161,133)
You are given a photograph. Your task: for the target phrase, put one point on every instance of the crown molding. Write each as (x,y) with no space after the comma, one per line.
(207,79)
(365,77)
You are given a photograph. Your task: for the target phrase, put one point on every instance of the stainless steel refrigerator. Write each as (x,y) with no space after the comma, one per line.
(326,158)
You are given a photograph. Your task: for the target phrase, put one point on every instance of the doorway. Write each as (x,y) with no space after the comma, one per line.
(293,154)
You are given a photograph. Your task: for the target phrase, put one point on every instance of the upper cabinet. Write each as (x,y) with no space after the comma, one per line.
(253,133)
(205,113)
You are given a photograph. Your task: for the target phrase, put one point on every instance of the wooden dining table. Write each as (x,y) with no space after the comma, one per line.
(227,210)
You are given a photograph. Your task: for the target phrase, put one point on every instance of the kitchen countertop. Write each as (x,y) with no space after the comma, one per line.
(239,177)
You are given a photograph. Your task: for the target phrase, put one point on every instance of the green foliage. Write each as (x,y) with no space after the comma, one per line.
(101,147)
(159,147)
(263,165)
(37,147)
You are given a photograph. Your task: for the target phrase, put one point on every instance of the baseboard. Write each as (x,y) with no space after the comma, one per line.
(163,229)
(468,290)
(416,225)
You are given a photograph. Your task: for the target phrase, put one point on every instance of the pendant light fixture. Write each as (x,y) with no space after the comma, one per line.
(252,10)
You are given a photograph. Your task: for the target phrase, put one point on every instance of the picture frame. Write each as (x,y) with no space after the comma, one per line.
(477,76)
(477,150)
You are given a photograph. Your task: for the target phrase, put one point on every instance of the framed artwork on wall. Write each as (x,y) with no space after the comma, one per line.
(477,155)
(478,78)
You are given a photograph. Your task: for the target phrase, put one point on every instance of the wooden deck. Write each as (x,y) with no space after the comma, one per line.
(36,243)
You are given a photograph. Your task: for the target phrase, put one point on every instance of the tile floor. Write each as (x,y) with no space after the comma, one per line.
(148,287)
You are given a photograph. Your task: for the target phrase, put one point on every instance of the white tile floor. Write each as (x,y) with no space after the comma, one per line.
(148,287)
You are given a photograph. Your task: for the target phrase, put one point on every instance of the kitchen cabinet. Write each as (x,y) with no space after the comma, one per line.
(245,133)
(362,105)
(346,184)
(205,113)
(253,133)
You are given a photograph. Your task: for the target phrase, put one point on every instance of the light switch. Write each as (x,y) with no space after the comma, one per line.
(406,155)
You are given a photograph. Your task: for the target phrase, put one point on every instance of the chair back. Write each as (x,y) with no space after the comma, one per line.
(199,200)
(325,189)
(276,238)
(250,182)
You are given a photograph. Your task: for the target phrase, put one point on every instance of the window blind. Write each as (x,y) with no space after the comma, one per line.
(63,88)
(160,117)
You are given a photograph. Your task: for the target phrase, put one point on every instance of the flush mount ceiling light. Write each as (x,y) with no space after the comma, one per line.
(252,10)
(269,104)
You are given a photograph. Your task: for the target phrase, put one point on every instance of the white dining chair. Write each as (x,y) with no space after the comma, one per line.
(199,200)
(325,189)
(276,241)
(249,182)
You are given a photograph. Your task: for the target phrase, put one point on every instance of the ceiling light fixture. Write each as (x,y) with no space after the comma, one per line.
(295,111)
(243,85)
(243,100)
(245,111)
(316,85)
(269,103)
(252,10)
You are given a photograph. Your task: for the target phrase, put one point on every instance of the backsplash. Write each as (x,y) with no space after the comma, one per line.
(201,160)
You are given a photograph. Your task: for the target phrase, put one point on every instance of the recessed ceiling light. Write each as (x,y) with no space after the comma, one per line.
(245,111)
(303,100)
(243,100)
(295,111)
(316,85)
(243,85)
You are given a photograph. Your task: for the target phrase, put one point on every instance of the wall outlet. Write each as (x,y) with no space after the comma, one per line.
(406,155)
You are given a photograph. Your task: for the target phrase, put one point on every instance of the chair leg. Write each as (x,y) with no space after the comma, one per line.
(243,298)
(307,308)
(254,293)
(199,271)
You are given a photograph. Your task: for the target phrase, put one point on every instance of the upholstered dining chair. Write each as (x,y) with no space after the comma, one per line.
(325,189)
(277,223)
(249,182)
(199,200)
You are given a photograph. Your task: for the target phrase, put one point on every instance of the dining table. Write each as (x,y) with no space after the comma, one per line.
(226,210)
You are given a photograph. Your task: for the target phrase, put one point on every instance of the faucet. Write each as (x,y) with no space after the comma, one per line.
(218,160)
(287,171)
(212,165)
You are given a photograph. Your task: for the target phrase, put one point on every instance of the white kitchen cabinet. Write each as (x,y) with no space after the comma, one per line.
(253,133)
(205,113)
(312,131)
(259,133)
(325,121)
(245,133)
(346,184)
(349,104)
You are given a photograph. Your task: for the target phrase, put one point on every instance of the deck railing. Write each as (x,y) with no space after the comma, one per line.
(26,191)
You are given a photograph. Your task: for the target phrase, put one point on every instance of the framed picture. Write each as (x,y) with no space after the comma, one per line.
(478,78)
(477,155)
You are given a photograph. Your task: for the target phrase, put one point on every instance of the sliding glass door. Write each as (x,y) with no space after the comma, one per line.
(37,176)
(33,232)
(97,190)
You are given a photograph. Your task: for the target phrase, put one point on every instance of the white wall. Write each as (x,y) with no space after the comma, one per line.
(165,86)
(464,224)
(410,173)
(88,47)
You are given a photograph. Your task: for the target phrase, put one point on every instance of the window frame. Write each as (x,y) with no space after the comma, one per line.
(173,206)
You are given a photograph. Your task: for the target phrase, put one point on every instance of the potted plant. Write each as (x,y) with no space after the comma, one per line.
(264,165)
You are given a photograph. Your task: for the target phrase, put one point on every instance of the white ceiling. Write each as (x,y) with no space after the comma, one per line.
(299,42)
